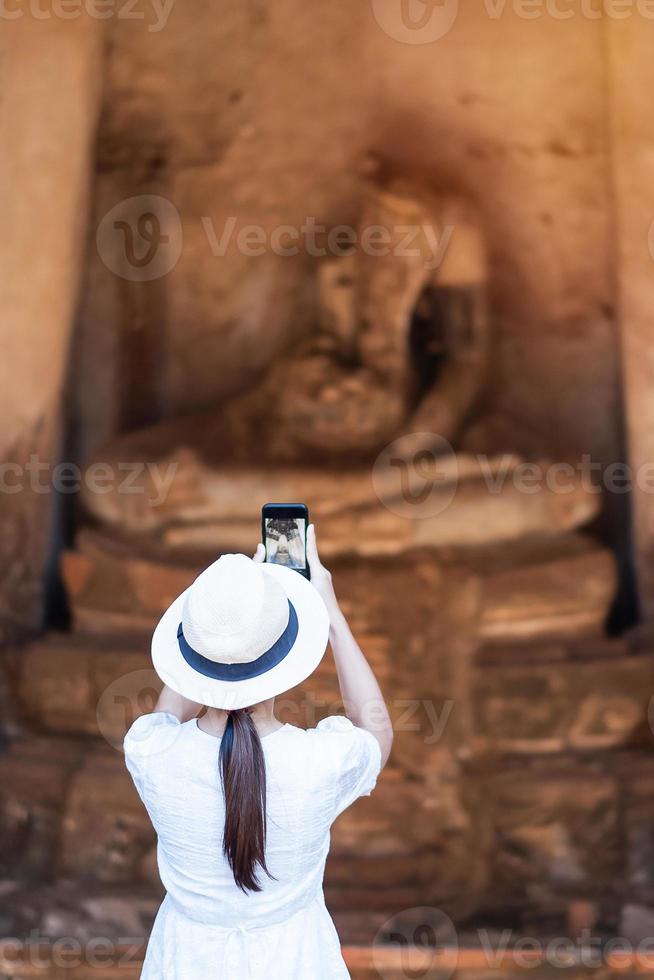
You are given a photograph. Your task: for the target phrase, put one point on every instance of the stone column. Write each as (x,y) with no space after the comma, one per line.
(51,70)
(630,84)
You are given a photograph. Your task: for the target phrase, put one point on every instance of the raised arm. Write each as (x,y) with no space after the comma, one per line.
(175,704)
(362,697)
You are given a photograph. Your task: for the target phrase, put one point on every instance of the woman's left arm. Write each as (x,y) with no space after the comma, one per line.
(173,703)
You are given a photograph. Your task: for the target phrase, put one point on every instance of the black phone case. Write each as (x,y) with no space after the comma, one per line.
(297,511)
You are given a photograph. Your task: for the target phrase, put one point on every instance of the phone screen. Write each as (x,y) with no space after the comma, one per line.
(285,535)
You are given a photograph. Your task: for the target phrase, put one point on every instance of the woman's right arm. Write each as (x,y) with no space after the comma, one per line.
(362,697)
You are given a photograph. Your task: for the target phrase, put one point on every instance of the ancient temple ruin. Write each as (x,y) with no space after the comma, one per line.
(448,400)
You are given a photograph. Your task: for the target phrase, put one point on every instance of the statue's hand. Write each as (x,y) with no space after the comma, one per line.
(326,408)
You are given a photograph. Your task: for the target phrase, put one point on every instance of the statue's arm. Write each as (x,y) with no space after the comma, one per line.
(445,407)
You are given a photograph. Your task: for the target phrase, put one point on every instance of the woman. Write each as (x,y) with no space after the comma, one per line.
(242,804)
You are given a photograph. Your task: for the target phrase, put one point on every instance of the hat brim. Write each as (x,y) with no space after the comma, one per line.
(303,658)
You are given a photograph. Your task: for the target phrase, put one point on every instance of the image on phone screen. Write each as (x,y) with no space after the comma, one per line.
(286,541)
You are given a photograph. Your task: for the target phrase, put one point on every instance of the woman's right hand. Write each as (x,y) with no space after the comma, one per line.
(362,699)
(321,577)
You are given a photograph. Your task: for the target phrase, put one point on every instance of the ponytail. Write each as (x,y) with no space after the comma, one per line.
(243,777)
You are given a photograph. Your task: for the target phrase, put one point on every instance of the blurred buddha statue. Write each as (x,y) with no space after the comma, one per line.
(402,341)
(399,356)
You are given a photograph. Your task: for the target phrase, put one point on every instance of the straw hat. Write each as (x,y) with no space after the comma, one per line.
(243,631)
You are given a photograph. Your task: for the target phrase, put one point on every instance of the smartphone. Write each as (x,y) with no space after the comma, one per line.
(284,531)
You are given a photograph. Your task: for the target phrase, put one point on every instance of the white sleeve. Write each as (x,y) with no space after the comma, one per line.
(353,759)
(146,741)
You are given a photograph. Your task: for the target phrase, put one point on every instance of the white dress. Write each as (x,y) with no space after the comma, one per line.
(208,928)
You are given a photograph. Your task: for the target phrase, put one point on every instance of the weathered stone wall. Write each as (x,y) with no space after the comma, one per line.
(51,85)
(631,74)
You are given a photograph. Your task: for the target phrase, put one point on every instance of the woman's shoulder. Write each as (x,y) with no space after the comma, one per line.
(326,727)
(336,737)
(340,754)
(151,733)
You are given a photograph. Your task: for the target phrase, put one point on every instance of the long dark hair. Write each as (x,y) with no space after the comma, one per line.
(243,777)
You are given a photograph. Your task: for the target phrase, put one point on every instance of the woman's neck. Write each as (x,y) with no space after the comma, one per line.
(263,716)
